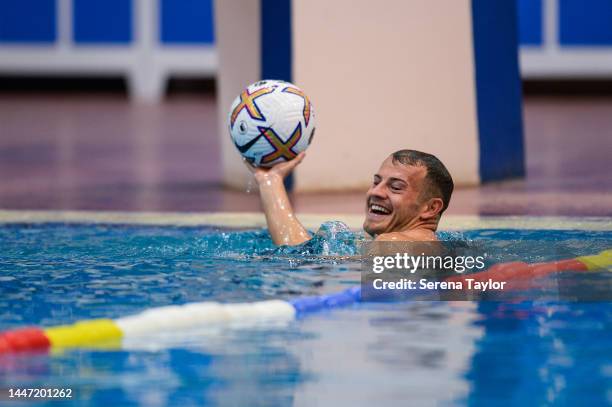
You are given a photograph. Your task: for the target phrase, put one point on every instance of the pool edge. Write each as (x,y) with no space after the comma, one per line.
(311,221)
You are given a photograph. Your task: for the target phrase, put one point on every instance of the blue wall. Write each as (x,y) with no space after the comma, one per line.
(102,21)
(276,55)
(28,21)
(585,22)
(105,21)
(498,89)
(530,14)
(186,21)
(581,22)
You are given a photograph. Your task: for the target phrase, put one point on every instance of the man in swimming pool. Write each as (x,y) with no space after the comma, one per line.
(407,197)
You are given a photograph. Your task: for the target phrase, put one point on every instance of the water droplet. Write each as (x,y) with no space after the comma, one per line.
(250,185)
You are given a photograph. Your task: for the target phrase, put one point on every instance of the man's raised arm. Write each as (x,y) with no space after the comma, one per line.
(284,227)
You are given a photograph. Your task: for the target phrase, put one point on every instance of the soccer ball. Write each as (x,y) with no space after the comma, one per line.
(271,122)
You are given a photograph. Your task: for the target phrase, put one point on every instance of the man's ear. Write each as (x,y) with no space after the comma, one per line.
(432,208)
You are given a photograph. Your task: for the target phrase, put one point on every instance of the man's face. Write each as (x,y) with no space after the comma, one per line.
(394,200)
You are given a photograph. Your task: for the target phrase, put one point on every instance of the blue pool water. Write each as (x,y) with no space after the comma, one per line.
(409,353)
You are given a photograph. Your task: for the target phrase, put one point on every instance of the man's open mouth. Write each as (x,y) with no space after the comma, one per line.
(379,209)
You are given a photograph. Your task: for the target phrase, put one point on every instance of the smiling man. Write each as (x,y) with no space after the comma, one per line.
(408,195)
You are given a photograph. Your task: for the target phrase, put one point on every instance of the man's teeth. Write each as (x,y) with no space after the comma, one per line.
(379,208)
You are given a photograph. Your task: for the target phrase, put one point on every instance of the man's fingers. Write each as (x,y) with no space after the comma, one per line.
(282,168)
(300,157)
(290,165)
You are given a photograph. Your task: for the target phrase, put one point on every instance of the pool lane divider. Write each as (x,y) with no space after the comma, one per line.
(98,332)
(516,271)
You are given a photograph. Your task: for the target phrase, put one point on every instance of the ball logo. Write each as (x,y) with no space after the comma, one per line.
(247,146)
(242,127)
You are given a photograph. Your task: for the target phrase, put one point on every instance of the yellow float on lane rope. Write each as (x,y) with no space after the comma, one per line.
(602,260)
(85,333)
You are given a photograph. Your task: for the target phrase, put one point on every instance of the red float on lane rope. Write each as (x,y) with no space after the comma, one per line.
(23,340)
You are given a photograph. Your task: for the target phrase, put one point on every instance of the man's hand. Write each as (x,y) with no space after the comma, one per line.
(279,171)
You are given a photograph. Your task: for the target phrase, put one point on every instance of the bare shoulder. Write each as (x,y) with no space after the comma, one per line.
(408,236)
(391,237)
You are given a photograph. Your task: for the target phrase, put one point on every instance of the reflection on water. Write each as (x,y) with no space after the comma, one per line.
(543,354)
(411,353)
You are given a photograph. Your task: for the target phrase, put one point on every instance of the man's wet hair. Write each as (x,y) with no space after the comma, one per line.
(440,183)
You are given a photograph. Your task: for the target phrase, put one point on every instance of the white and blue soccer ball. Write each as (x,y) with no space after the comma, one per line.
(271,122)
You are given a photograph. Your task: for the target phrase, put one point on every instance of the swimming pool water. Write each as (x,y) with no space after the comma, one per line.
(410,353)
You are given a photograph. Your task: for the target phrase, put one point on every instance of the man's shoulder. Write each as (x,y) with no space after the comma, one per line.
(407,236)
